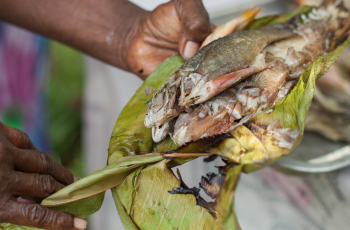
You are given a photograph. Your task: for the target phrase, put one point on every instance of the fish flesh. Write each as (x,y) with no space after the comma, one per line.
(234,78)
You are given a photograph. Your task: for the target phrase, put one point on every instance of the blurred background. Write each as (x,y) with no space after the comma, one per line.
(68,104)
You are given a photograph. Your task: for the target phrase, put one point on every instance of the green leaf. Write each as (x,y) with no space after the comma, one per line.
(124,217)
(85,196)
(277,19)
(4,226)
(145,197)
(84,207)
(130,136)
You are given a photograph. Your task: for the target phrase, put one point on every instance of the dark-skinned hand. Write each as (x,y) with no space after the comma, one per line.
(116,31)
(174,27)
(28,173)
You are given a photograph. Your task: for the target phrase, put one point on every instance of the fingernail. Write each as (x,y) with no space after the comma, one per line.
(80,223)
(190,49)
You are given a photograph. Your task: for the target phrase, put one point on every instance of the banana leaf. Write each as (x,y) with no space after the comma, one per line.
(151,208)
(140,177)
(15,227)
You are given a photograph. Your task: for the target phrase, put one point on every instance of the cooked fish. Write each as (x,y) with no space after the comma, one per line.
(224,86)
(213,69)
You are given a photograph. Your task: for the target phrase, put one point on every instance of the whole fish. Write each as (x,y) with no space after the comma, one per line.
(199,112)
(213,69)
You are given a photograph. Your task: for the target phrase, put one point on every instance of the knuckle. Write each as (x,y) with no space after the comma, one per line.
(22,135)
(43,217)
(46,163)
(47,185)
(198,26)
(26,140)
(197,23)
(37,214)
(20,139)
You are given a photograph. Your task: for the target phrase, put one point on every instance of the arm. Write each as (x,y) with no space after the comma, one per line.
(98,28)
(116,31)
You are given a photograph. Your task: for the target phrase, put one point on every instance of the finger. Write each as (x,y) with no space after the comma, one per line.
(190,49)
(195,25)
(34,186)
(35,215)
(212,28)
(33,161)
(17,137)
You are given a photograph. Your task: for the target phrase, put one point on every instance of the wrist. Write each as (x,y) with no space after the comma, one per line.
(103,29)
(127,30)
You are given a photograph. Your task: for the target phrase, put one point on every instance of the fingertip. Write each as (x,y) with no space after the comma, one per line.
(69,177)
(80,223)
(190,49)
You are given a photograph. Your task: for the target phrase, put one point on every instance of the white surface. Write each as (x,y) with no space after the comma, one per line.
(214,8)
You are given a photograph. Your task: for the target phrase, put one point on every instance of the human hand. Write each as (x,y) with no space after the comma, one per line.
(116,31)
(174,27)
(28,173)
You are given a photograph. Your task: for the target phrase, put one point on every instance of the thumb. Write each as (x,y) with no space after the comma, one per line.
(195,26)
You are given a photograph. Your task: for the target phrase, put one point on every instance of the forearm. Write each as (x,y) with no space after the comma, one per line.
(101,28)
